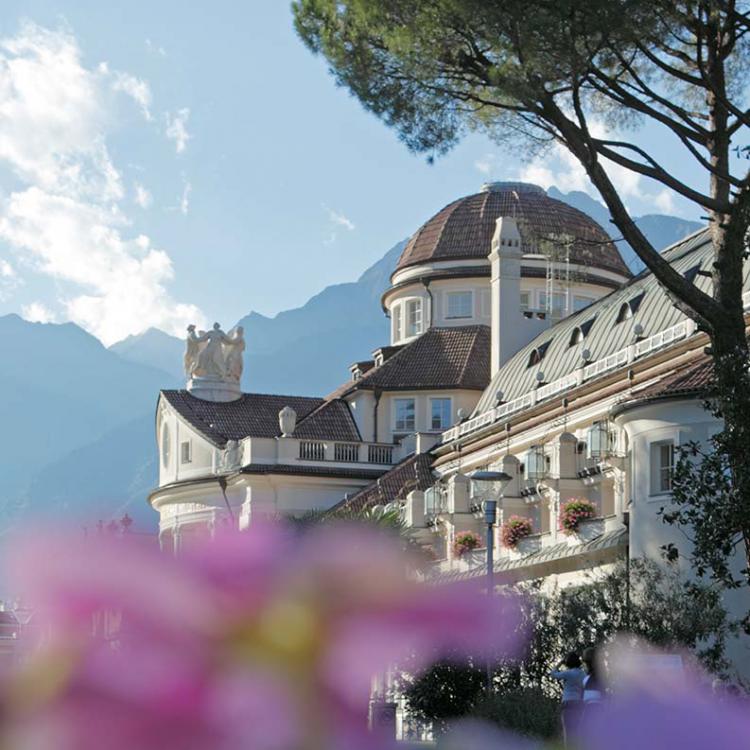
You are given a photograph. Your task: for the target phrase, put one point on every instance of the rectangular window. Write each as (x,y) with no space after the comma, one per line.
(579,303)
(526,301)
(440,413)
(413,317)
(459,305)
(558,302)
(186,452)
(396,321)
(405,411)
(662,467)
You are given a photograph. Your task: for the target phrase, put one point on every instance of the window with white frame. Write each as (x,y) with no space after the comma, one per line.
(459,305)
(405,411)
(396,322)
(526,303)
(414,317)
(662,467)
(440,413)
(186,452)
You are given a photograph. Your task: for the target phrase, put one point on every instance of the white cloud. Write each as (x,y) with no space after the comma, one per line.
(177,129)
(559,168)
(37,312)
(158,49)
(9,280)
(142,196)
(337,219)
(66,217)
(486,164)
(185,199)
(136,88)
(341,220)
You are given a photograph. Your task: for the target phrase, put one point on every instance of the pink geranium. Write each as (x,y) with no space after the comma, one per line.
(465,542)
(515,529)
(574,512)
(264,640)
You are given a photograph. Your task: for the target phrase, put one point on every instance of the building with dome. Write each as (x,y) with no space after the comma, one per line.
(519,342)
(458,310)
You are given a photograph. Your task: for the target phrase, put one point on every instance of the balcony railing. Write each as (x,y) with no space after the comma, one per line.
(596,369)
(346,452)
(310,450)
(380,454)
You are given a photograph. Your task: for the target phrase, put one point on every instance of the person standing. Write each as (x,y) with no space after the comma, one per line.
(572,698)
(592,686)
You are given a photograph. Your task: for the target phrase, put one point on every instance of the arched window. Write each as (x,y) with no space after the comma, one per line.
(537,355)
(624,313)
(576,337)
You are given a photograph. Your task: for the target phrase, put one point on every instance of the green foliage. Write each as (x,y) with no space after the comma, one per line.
(709,505)
(448,690)
(661,610)
(526,711)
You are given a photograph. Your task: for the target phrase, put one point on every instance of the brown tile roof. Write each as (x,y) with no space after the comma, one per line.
(413,473)
(693,377)
(464,228)
(456,357)
(330,421)
(257,415)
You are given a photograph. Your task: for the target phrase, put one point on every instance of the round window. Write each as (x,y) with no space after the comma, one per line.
(165,446)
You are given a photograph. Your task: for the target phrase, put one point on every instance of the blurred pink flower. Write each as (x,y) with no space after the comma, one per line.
(660,701)
(265,640)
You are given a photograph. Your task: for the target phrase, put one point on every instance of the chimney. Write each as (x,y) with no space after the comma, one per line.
(511,329)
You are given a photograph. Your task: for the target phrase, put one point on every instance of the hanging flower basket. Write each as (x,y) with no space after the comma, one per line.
(465,542)
(573,513)
(515,529)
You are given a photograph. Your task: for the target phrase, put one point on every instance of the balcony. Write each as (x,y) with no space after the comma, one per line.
(320,451)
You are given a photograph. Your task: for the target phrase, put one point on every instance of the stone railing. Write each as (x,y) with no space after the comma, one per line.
(381,454)
(614,361)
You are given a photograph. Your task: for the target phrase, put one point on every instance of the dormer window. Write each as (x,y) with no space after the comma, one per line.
(186,452)
(630,308)
(537,355)
(625,313)
(580,332)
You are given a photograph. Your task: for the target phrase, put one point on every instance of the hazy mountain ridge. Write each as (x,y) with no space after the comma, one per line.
(79,438)
(660,229)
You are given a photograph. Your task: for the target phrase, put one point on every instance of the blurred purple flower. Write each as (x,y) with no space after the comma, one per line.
(264,640)
(662,701)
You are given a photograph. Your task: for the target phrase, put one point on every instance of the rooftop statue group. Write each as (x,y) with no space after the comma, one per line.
(215,354)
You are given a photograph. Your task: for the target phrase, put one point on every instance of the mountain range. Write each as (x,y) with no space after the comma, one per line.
(78,440)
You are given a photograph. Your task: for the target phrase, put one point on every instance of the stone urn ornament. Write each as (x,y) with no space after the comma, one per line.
(287,421)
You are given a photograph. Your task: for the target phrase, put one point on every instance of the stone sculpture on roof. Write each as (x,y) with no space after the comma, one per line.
(213,362)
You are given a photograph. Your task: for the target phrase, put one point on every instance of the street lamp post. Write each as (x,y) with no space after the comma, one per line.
(489,485)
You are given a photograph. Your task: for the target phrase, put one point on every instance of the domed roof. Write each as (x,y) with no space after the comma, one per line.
(463,229)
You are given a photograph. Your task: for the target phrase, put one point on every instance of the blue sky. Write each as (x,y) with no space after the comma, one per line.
(164,162)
